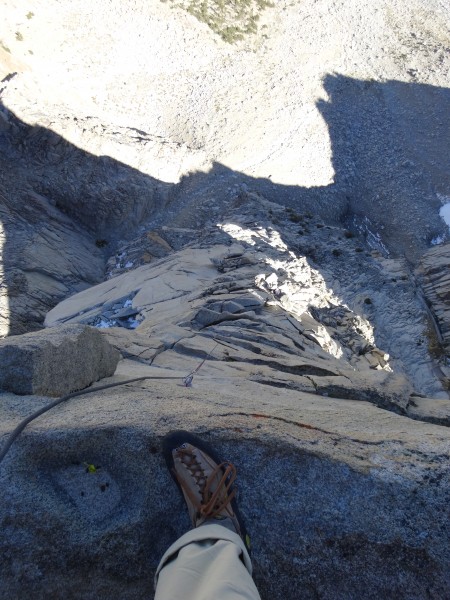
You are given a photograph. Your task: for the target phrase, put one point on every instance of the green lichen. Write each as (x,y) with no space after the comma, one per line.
(232,20)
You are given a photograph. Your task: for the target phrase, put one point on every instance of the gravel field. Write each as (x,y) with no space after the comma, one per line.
(333,106)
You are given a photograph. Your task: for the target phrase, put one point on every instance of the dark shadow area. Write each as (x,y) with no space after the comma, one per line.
(391,155)
(329,531)
(62,209)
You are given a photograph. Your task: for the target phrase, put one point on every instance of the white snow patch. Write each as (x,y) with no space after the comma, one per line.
(438,240)
(444,213)
(102,324)
(129,264)
(132,323)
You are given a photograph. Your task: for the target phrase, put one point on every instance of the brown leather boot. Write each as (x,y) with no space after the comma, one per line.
(206,482)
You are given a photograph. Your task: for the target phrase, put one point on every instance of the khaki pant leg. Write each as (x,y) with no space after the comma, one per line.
(207,563)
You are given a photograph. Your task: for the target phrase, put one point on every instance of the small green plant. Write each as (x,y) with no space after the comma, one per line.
(19,36)
(30,15)
(5,48)
(435,347)
(90,468)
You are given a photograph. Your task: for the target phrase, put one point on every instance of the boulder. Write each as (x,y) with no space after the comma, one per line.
(56,361)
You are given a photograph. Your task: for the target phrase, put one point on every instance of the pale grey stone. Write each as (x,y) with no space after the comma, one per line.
(232,307)
(206,317)
(55,361)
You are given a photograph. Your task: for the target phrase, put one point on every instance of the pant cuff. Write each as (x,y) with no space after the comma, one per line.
(205,532)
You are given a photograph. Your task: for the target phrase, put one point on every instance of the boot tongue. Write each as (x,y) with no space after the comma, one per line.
(207,471)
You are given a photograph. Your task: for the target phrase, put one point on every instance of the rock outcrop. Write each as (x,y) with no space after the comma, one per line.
(61,212)
(281,297)
(56,361)
(299,353)
(434,273)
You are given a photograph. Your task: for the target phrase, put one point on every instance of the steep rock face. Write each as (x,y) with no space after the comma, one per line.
(60,208)
(291,347)
(276,348)
(434,273)
(291,301)
(45,257)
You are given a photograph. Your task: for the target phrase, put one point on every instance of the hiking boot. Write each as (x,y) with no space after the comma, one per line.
(206,482)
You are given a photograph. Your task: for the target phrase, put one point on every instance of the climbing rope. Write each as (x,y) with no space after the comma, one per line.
(18,430)
(187,382)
